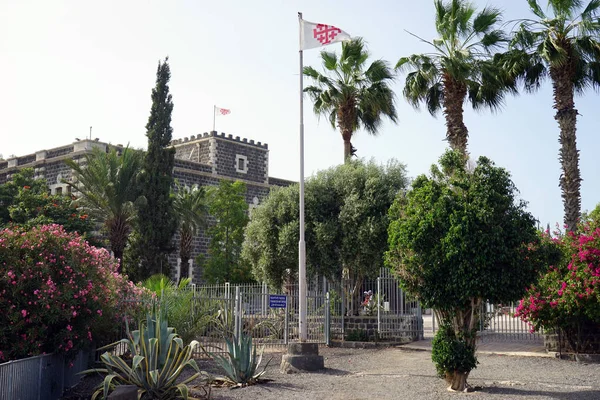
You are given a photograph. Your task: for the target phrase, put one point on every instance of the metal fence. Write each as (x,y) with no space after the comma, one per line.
(248,309)
(496,323)
(331,311)
(374,309)
(42,377)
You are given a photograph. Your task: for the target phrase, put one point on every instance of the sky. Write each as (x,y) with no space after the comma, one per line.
(69,65)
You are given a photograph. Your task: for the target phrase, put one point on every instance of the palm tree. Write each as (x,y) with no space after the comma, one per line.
(350,94)
(564,45)
(461,66)
(191,208)
(106,185)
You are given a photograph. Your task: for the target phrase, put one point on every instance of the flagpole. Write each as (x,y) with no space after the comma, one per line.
(214,116)
(301,244)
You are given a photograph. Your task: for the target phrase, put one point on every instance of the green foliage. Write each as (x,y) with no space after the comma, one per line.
(25,201)
(57,292)
(157,221)
(567,295)
(461,66)
(562,43)
(241,363)
(450,352)
(191,208)
(107,187)
(158,359)
(461,235)
(179,306)
(357,335)
(350,94)
(227,205)
(459,238)
(346,224)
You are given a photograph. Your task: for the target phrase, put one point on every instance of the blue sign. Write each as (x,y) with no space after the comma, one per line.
(277,300)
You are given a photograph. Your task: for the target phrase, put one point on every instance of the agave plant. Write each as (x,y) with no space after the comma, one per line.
(241,362)
(158,359)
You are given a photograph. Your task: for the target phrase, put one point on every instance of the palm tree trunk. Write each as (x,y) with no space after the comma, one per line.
(347,146)
(118,229)
(185,251)
(566,116)
(454,97)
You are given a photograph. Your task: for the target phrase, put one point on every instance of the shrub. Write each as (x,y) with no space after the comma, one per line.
(188,317)
(567,295)
(450,353)
(357,335)
(56,292)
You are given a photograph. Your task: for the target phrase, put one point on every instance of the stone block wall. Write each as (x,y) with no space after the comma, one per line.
(393,327)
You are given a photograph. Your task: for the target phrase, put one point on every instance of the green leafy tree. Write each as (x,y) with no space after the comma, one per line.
(192,209)
(26,202)
(107,189)
(227,205)
(157,220)
(457,239)
(271,238)
(351,94)
(346,225)
(460,68)
(563,44)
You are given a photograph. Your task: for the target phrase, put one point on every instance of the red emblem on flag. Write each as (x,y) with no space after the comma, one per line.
(325,33)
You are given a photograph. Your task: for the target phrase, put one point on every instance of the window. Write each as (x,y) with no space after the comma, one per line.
(241,164)
(58,191)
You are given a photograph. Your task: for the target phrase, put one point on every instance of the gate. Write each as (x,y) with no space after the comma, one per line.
(497,323)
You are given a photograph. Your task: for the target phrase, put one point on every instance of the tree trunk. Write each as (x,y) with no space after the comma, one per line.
(347,135)
(185,251)
(566,116)
(454,97)
(458,381)
(118,232)
(463,321)
(346,116)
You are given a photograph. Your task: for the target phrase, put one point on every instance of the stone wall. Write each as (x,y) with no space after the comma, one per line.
(393,327)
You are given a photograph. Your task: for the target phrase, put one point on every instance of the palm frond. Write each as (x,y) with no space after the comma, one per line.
(329,60)
(536,9)
(350,89)
(565,9)
(591,10)
(484,22)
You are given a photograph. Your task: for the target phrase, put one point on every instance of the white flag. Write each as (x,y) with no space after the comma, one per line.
(317,35)
(222,111)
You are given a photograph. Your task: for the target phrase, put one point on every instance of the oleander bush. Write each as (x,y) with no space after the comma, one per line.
(58,293)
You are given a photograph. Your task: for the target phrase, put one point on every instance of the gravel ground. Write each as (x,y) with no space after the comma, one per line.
(392,373)
(399,374)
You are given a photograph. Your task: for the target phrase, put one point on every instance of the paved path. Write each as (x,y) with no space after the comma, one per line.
(525,348)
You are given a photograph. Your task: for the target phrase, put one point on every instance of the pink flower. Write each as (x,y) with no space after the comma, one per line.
(24,313)
(69,328)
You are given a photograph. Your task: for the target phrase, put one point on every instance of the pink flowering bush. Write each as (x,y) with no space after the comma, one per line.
(567,295)
(57,293)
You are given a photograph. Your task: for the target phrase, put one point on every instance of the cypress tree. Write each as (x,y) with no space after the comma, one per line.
(157,221)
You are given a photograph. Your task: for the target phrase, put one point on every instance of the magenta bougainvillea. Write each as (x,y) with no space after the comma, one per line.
(57,293)
(568,292)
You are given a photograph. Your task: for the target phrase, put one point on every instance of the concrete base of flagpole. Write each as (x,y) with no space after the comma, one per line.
(302,357)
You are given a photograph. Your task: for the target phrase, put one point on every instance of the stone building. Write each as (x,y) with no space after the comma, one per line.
(201,160)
